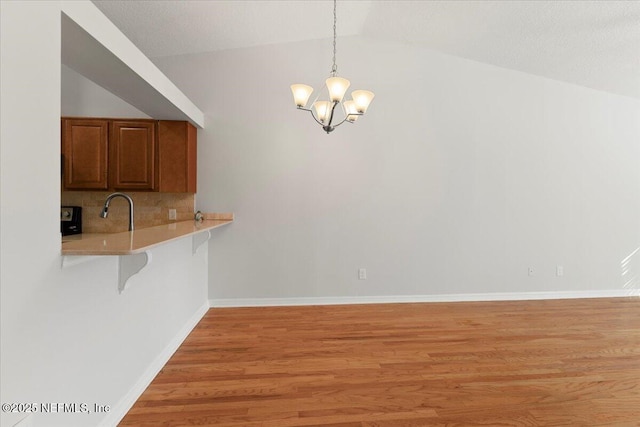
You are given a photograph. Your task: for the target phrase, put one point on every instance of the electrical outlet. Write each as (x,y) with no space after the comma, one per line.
(559,270)
(172,214)
(362,274)
(530,271)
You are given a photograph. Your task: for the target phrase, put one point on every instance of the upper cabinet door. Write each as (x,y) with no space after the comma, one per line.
(85,154)
(176,157)
(132,157)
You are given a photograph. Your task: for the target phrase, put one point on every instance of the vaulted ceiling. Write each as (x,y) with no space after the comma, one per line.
(590,43)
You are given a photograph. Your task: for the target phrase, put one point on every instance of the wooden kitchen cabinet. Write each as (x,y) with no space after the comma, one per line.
(85,154)
(129,154)
(176,157)
(132,155)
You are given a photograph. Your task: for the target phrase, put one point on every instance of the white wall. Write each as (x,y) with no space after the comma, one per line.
(460,177)
(82,97)
(67,335)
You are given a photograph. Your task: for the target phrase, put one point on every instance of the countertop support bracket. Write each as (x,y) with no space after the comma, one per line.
(200,239)
(128,265)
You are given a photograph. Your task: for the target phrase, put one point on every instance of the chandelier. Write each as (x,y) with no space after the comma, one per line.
(328,108)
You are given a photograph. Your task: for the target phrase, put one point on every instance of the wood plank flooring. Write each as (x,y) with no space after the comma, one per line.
(517,363)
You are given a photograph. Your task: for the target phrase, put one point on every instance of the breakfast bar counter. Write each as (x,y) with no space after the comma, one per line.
(138,241)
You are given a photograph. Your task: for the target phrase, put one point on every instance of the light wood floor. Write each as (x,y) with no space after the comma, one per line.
(525,363)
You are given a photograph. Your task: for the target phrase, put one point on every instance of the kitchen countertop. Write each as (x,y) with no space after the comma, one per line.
(137,241)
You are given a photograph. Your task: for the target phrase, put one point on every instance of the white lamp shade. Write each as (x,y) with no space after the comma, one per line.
(350,108)
(337,88)
(322,110)
(301,94)
(362,99)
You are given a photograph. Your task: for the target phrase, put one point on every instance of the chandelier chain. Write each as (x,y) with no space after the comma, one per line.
(334,69)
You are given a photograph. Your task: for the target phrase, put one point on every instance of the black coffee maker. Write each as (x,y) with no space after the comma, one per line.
(70,220)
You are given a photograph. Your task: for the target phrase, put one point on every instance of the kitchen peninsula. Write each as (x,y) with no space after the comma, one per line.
(140,240)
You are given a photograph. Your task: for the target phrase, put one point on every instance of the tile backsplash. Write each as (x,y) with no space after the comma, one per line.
(149,209)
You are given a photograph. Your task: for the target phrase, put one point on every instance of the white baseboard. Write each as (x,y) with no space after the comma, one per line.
(118,412)
(503,296)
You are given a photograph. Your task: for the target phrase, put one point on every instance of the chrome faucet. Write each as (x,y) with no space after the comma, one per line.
(105,209)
